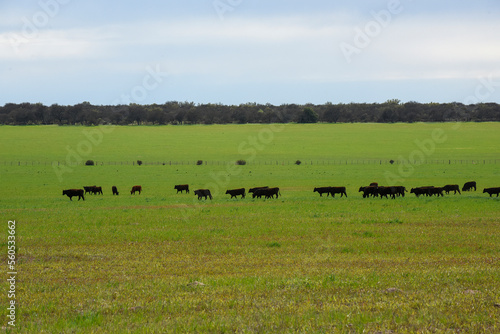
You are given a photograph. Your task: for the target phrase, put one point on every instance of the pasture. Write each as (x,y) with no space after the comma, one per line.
(166,262)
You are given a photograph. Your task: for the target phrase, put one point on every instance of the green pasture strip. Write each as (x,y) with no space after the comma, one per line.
(166,262)
(252,142)
(317,266)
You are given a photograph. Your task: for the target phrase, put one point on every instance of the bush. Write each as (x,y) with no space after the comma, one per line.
(199,162)
(139,162)
(241,162)
(89,163)
(298,162)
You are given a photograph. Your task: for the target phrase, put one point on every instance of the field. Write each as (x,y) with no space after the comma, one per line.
(162,262)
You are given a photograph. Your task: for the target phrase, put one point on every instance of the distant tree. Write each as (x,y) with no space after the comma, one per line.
(308,116)
(189,113)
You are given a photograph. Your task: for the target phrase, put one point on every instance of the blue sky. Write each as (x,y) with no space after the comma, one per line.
(238,51)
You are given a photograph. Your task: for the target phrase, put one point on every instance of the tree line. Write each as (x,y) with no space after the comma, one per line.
(177,113)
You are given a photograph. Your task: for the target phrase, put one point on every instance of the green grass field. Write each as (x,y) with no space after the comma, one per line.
(300,263)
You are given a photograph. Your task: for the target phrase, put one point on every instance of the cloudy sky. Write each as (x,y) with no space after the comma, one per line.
(238,51)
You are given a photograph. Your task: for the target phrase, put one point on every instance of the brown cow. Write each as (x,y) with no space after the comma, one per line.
(74,192)
(492,191)
(136,188)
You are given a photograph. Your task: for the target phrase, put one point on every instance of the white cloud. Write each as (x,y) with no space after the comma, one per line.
(271,50)
(420,48)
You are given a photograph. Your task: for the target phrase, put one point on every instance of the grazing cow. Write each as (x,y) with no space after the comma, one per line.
(97,190)
(374,184)
(114,190)
(469,185)
(89,189)
(236,192)
(134,189)
(74,192)
(267,192)
(322,190)
(203,193)
(452,187)
(492,191)
(181,188)
(338,190)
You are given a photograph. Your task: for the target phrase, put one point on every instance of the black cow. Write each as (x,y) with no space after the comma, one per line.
(370,190)
(438,191)
(452,187)
(267,192)
(469,185)
(388,191)
(421,191)
(252,190)
(181,188)
(322,190)
(97,190)
(338,190)
(203,193)
(114,190)
(89,189)
(74,192)
(236,192)
(492,191)
(400,190)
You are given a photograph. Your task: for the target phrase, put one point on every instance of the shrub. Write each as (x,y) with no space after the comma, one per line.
(139,162)
(89,163)
(298,162)
(199,162)
(391,162)
(241,162)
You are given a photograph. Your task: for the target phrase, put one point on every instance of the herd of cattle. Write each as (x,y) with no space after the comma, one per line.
(373,190)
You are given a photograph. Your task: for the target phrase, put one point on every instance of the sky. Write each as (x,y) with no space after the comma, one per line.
(238,51)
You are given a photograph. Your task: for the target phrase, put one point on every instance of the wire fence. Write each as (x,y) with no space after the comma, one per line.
(324,162)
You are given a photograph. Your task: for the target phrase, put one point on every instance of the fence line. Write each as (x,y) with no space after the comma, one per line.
(260,163)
